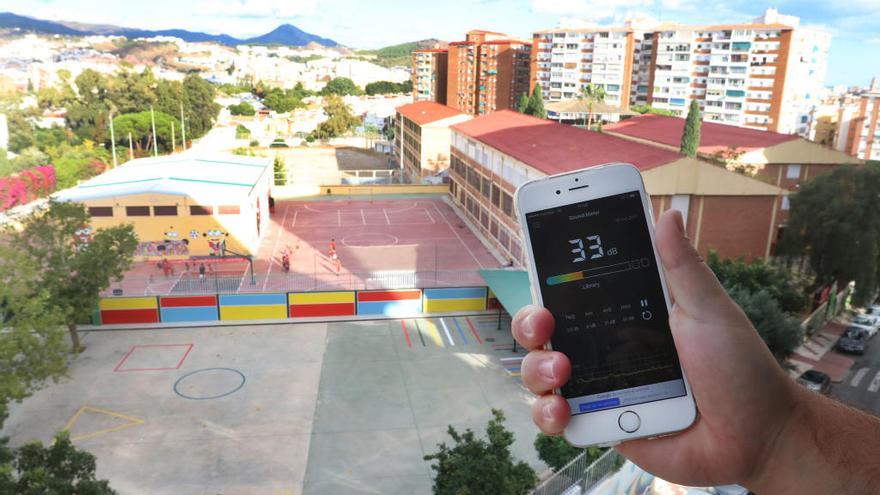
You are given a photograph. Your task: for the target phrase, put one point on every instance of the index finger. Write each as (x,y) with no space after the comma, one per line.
(532,326)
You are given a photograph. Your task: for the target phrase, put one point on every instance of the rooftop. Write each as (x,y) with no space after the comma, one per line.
(554,148)
(713,136)
(426,112)
(223,177)
(581,105)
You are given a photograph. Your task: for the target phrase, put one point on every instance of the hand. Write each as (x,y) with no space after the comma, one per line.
(745,400)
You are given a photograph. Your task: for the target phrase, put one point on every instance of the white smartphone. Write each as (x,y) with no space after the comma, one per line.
(592,263)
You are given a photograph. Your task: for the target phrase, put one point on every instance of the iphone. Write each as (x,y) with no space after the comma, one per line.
(593,264)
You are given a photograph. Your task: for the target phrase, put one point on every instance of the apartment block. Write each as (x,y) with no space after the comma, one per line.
(422,138)
(487,72)
(858,127)
(565,60)
(429,75)
(765,75)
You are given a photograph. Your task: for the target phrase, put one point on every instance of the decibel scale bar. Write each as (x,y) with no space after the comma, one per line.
(624,266)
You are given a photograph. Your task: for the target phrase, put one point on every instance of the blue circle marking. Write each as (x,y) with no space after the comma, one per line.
(224,394)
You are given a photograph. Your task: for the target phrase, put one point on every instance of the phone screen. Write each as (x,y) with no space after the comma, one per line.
(599,279)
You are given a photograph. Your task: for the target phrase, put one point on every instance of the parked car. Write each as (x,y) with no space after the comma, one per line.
(866,323)
(815,381)
(854,339)
(873,310)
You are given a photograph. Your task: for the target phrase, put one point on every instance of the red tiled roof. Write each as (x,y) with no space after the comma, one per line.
(713,136)
(554,148)
(425,112)
(457,43)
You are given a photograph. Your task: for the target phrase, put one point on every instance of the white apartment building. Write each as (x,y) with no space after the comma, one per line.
(618,59)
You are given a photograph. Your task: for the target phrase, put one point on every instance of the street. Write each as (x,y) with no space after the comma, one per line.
(861,386)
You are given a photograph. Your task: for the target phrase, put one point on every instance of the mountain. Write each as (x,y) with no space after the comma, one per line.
(284,34)
(401,54)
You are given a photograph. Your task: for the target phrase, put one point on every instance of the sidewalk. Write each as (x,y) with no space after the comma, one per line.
(818,352)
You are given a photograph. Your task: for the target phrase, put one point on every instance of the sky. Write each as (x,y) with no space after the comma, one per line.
(854,57)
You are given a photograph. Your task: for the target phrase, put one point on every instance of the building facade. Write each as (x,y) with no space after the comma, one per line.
(487,72)
(492,155)
(565,60)
(429,75)
(858,127)
(422,139)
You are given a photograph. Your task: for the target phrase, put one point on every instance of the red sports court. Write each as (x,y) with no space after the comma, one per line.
(380,243)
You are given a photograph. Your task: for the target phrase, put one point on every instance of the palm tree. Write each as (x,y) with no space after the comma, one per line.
(593,94)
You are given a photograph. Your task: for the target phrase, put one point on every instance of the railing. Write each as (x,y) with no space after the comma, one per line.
(820,316)
(243,283)
(577,477)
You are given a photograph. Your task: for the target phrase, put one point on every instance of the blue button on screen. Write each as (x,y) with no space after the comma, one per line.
(599,404)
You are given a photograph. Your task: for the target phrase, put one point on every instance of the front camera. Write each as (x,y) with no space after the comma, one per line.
(558,191)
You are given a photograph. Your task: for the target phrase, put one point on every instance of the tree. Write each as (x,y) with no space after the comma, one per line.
(783,286)
(780,331)
(341,86)
(243,108)
(535,107)
(834,222)
(281,101)
(140,125)
(522,105)
(80,162)
(199,107)
(643,109)
(73,272)
(592,93)
(473,465)
(690,138)
(57,469)
(388,87)
(556,452)
(339,121)
(280,170)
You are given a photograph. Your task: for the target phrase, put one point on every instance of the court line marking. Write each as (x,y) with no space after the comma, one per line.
(293,224)
(429,216)
(339,217)
(363,218)
(132,421)
(875,383)
(434,333)
(857,378)
(468,249)
(473,330)
(420,332)
(460,332)
(388,220)
(406,334)
(274,250)
(135,346)
(446,330)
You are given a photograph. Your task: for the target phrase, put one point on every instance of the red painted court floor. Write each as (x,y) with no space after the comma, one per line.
(383,243)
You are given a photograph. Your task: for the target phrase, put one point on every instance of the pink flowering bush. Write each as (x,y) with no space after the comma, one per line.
(26,186)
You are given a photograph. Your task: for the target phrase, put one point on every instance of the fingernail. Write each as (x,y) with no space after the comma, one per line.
(547,412)
(679,221)
(545,369)
(527,327)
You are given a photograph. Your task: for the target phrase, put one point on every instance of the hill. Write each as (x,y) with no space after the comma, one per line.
(284,34)
(401,54)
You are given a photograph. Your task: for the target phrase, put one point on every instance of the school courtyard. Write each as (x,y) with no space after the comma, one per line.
(281,409)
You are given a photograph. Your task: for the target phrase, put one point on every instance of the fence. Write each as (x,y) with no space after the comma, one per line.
(356,177)
(577,477)
(290,305)
(820,315)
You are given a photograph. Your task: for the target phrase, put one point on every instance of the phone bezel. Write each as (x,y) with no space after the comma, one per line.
(601,427)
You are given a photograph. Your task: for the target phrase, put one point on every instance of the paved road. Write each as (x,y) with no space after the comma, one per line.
(861,386)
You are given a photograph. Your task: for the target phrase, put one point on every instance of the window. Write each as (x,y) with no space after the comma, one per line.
(486,187)
(101,211)
(229,210)
(785,203)
(165,211)
(197,210)
(137,211)
(793,172)
(507,204)
(496,195)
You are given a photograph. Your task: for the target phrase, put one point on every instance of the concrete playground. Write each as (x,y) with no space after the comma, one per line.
(280,409)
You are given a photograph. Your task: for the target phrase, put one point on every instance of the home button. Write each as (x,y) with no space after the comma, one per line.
(629,422)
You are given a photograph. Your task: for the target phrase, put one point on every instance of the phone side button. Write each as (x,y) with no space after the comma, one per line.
(629,422)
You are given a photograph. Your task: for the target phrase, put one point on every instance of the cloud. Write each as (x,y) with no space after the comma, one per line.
(257,8)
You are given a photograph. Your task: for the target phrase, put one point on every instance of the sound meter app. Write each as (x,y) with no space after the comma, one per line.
(599,280)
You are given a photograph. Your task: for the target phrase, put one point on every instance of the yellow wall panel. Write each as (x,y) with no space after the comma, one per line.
(321,298)
(127,303)
(448,305)
(253,312)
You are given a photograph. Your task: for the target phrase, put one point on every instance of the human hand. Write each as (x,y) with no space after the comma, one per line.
(744,398)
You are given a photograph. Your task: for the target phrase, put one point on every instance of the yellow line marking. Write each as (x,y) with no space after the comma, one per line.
(132,421)
(433,332)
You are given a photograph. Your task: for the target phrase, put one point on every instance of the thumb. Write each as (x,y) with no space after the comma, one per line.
(691,282)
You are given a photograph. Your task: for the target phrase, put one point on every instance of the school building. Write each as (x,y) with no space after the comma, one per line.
(421,138)
(182,205)
(493,154)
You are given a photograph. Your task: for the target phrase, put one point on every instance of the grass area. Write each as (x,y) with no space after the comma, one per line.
(394,55)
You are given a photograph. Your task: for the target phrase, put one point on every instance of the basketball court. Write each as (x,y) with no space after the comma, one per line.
(380,243)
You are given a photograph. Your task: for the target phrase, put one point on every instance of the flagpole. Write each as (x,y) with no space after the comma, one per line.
(153,120)
(130,148)
(182,127)
(173,139)
(113,140)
